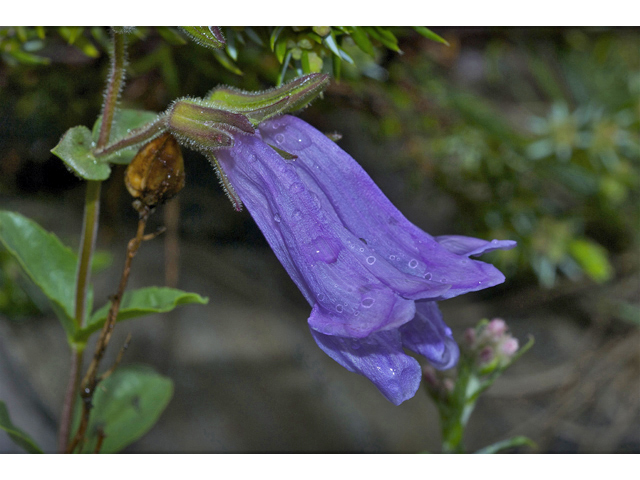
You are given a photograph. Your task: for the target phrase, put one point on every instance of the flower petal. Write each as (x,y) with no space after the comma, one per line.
(469,246)
(429,336)
(378,357)
(407,251)
(313,245)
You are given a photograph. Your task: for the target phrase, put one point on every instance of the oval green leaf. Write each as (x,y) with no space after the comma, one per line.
(138,303)
(46,261)
(125,407)
(74,149)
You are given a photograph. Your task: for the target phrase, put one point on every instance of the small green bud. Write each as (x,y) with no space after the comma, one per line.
(196,125)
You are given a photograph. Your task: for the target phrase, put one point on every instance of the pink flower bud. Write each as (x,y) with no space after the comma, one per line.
(470,337)
(485,355)
(509,346)
(496,327)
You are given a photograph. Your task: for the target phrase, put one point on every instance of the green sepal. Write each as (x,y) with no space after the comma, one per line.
(260,106)
(208,37)
(126,405)
(138,303)
(75,150)
(47,262)
(18,437)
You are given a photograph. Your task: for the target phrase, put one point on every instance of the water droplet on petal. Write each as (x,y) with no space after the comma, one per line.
(413,263)
(355,345)
(392,257)
(361,249)
(356,313)
(427,275)
(321,296)
(296,215)
(339,308)
(279,138)
(326,249)
(276,217)
(252,158)
(371,260)
(367,302)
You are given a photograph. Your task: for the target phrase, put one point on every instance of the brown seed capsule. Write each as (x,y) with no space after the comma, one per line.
(156,173)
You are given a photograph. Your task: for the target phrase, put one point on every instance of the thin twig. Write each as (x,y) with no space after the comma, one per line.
(91,379)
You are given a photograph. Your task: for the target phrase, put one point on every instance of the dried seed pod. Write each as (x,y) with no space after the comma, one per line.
(156,173)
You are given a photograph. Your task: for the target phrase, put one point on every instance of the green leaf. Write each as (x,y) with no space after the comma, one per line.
(384,37)
(46,261)
(425,32)
(137,303)
(208,37)
(125,407)
(361,39)
(593,259)
(74,149)
(509,443)
(171,36)
(18,436)
(124,122)
(226,62)
(274,36)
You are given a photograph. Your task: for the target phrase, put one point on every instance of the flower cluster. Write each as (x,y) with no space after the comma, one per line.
(371,277)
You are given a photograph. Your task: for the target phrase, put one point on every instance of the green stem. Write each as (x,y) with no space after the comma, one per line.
(89,233)
(137,136)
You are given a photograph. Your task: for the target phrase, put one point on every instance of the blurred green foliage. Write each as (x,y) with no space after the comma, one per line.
(535,135)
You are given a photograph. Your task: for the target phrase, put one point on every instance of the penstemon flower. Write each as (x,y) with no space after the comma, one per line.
(371,277)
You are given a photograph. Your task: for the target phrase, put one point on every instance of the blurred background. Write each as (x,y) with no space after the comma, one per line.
(524,134)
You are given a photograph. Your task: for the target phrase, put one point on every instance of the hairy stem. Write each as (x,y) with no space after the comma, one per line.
(89,233)
(137,136)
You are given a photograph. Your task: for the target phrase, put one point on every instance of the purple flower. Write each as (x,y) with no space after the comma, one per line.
(371,276)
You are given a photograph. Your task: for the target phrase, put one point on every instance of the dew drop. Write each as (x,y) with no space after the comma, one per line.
(301,142)
(296,215)
(316,200)
(325,249)
(279,138)
(367,302)
(355,345)
(321,296)
(252,158)
(339,308)
(392,257)
(371,260)
(427,275)
(276,217)
(361,249)
(413,263)
(356,313)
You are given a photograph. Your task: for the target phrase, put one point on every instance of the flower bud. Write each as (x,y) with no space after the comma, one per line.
(201,127)
(156,173)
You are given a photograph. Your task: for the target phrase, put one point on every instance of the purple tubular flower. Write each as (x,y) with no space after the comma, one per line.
(371,276)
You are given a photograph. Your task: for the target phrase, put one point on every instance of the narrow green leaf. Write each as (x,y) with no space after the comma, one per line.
(281,50)
(274,37)
(251,33)
(46,261)
(40,32)
(383,37)
(425,32)
(171,36)
(230,48)
(27,58)
(74,149)
(330,42)
(138,303)
(519,441)
(18,436)
(226,62)
(285,65)
(361,39)
(125,407)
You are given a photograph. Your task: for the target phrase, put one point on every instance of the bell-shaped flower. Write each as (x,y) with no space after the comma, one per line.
(371,276)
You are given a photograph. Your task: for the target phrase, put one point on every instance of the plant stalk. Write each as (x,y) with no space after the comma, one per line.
(89,233)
